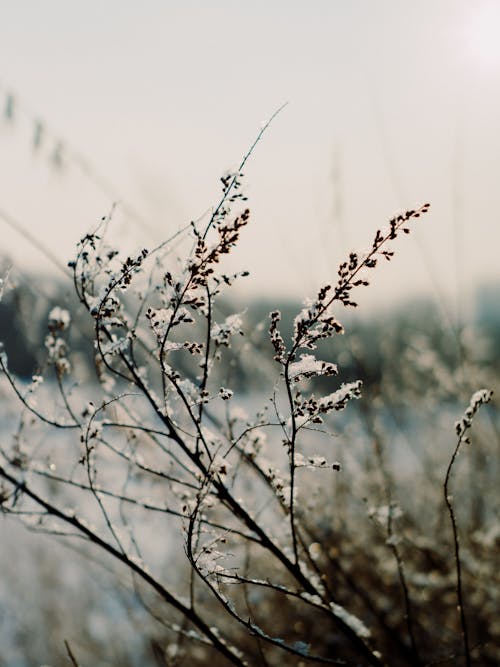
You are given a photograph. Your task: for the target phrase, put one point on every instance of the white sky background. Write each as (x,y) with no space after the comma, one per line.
(391,103)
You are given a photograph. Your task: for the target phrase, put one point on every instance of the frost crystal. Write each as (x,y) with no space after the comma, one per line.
(188,389)
(159,319)
(221,333)
(315,461)
(478,398)
(339,399)
(352,621)
(115,345)
(308,366)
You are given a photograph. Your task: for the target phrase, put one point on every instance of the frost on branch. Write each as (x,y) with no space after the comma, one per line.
(339,399)
(352,621)
(315,321)
(58,321)
(222,333)
(316,461)
(276,338)
(170,442)
(313,408)
(308,366)
(479,398)
(116,345)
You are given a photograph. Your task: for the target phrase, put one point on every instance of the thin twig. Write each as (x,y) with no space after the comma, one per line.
(480,397)
(70,654)
(458,567)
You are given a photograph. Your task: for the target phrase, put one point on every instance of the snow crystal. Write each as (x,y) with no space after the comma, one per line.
(115,345)
(338,399)
(160,319)
(478,398)
(221,333)
(308,366)
(352,621)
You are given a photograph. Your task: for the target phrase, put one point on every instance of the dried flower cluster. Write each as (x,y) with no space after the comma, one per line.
(162,435)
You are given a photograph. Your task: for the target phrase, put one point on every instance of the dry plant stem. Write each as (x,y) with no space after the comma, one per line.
(64,396)
(140,503)
(237,509)
(70,654)
(291,455)
(251,613)
(296,573)
(122,557)
(406,593)
(456,545)
(379,450)
(91,475)
(183,461)
(36,413)
(462,427)
(341,293)
(248,624)
(380,615)
(243,162)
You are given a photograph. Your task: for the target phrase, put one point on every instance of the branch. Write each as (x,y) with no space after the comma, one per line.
(479,398)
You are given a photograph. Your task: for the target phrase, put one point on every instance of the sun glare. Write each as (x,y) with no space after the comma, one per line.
(484,34)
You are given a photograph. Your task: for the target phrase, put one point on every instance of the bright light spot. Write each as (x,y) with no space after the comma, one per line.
(484,33)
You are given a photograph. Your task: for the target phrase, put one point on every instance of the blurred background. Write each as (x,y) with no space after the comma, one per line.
(390,104)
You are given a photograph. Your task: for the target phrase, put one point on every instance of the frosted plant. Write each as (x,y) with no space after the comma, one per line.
(158,456)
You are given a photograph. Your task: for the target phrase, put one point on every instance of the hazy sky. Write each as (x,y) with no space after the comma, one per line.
(391,103)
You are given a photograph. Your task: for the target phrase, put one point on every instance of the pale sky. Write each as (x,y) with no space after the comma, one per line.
(390,103)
